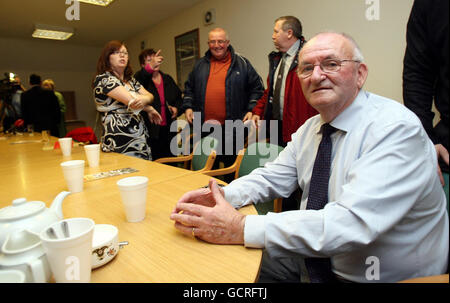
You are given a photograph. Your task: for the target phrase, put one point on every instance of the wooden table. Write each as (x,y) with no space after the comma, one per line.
(157,252)
(429,279)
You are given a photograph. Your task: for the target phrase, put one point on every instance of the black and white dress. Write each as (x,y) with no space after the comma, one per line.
(124,131)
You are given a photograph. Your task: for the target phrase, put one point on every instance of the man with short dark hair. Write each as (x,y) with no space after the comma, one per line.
(40,107)
(283,99)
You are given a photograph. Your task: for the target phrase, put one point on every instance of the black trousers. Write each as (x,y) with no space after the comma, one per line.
(160,146)
(229,146)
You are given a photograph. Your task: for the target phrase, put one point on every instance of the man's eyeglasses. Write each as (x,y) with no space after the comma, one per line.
(327,66)
(220,42)
(120,53)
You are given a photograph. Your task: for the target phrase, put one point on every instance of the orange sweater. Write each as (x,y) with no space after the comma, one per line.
(215,107)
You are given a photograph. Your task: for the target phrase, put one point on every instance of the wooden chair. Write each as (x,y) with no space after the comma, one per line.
(248,159)
(202,157)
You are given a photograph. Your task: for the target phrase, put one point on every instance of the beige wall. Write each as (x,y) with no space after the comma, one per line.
(71,67)
(250,25)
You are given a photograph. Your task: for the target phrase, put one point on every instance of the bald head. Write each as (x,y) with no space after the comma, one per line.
(218,43)
(218,30)
(331,73)
(346,42)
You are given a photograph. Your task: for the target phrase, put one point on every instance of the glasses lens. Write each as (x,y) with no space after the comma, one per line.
(306,70)
(213,42)
(330,65)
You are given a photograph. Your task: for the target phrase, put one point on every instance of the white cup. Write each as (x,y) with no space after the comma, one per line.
(74,174)
(66,146)
(92,154)
(134,196)
(70,256)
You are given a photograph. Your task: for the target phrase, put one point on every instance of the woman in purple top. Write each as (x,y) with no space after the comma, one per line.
(167,102)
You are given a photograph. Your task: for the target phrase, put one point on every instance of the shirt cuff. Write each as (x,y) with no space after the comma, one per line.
(254,231)
(232,197)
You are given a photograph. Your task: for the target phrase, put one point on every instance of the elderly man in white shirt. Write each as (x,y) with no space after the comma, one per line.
(386,217)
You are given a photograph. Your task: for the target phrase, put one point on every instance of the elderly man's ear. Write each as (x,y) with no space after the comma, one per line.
(363,71)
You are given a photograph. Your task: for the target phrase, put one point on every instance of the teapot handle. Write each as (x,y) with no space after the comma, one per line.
(37,271)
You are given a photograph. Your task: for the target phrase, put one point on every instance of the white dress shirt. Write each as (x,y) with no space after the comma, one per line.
(386,202)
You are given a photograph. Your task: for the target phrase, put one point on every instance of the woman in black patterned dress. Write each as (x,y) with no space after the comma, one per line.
(120,98)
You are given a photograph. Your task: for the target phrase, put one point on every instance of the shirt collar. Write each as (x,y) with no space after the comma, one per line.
(347,120)
(294,48)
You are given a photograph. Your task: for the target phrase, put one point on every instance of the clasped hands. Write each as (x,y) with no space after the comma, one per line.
(139,102)
(213,218)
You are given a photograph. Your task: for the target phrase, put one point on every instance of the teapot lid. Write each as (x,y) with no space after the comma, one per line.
(20,208)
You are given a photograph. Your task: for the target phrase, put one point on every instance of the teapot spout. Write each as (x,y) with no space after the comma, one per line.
(56,206)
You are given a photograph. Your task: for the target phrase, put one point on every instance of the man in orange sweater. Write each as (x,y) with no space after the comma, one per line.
(222,86)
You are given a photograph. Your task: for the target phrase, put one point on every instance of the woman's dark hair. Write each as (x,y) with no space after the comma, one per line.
(145,53)
(103,62)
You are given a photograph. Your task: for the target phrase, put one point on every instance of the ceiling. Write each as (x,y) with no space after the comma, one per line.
(120,20)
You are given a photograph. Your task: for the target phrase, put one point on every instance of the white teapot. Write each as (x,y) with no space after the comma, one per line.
(23,251)
(33,216)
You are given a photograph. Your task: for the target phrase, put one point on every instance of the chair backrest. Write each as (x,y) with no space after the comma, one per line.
(256,155)
(202,151)
(83,134)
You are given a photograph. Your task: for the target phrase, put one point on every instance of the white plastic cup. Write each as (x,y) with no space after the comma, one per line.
(73,174)
(92,154)
(70,257)
(133,191)
(66,146)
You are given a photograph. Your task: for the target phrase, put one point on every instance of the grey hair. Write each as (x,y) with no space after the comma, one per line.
(357,53)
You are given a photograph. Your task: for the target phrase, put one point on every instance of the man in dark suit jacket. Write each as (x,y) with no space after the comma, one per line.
(40,107)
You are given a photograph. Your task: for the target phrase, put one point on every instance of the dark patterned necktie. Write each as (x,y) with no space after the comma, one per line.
(319,269)
(277,91)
